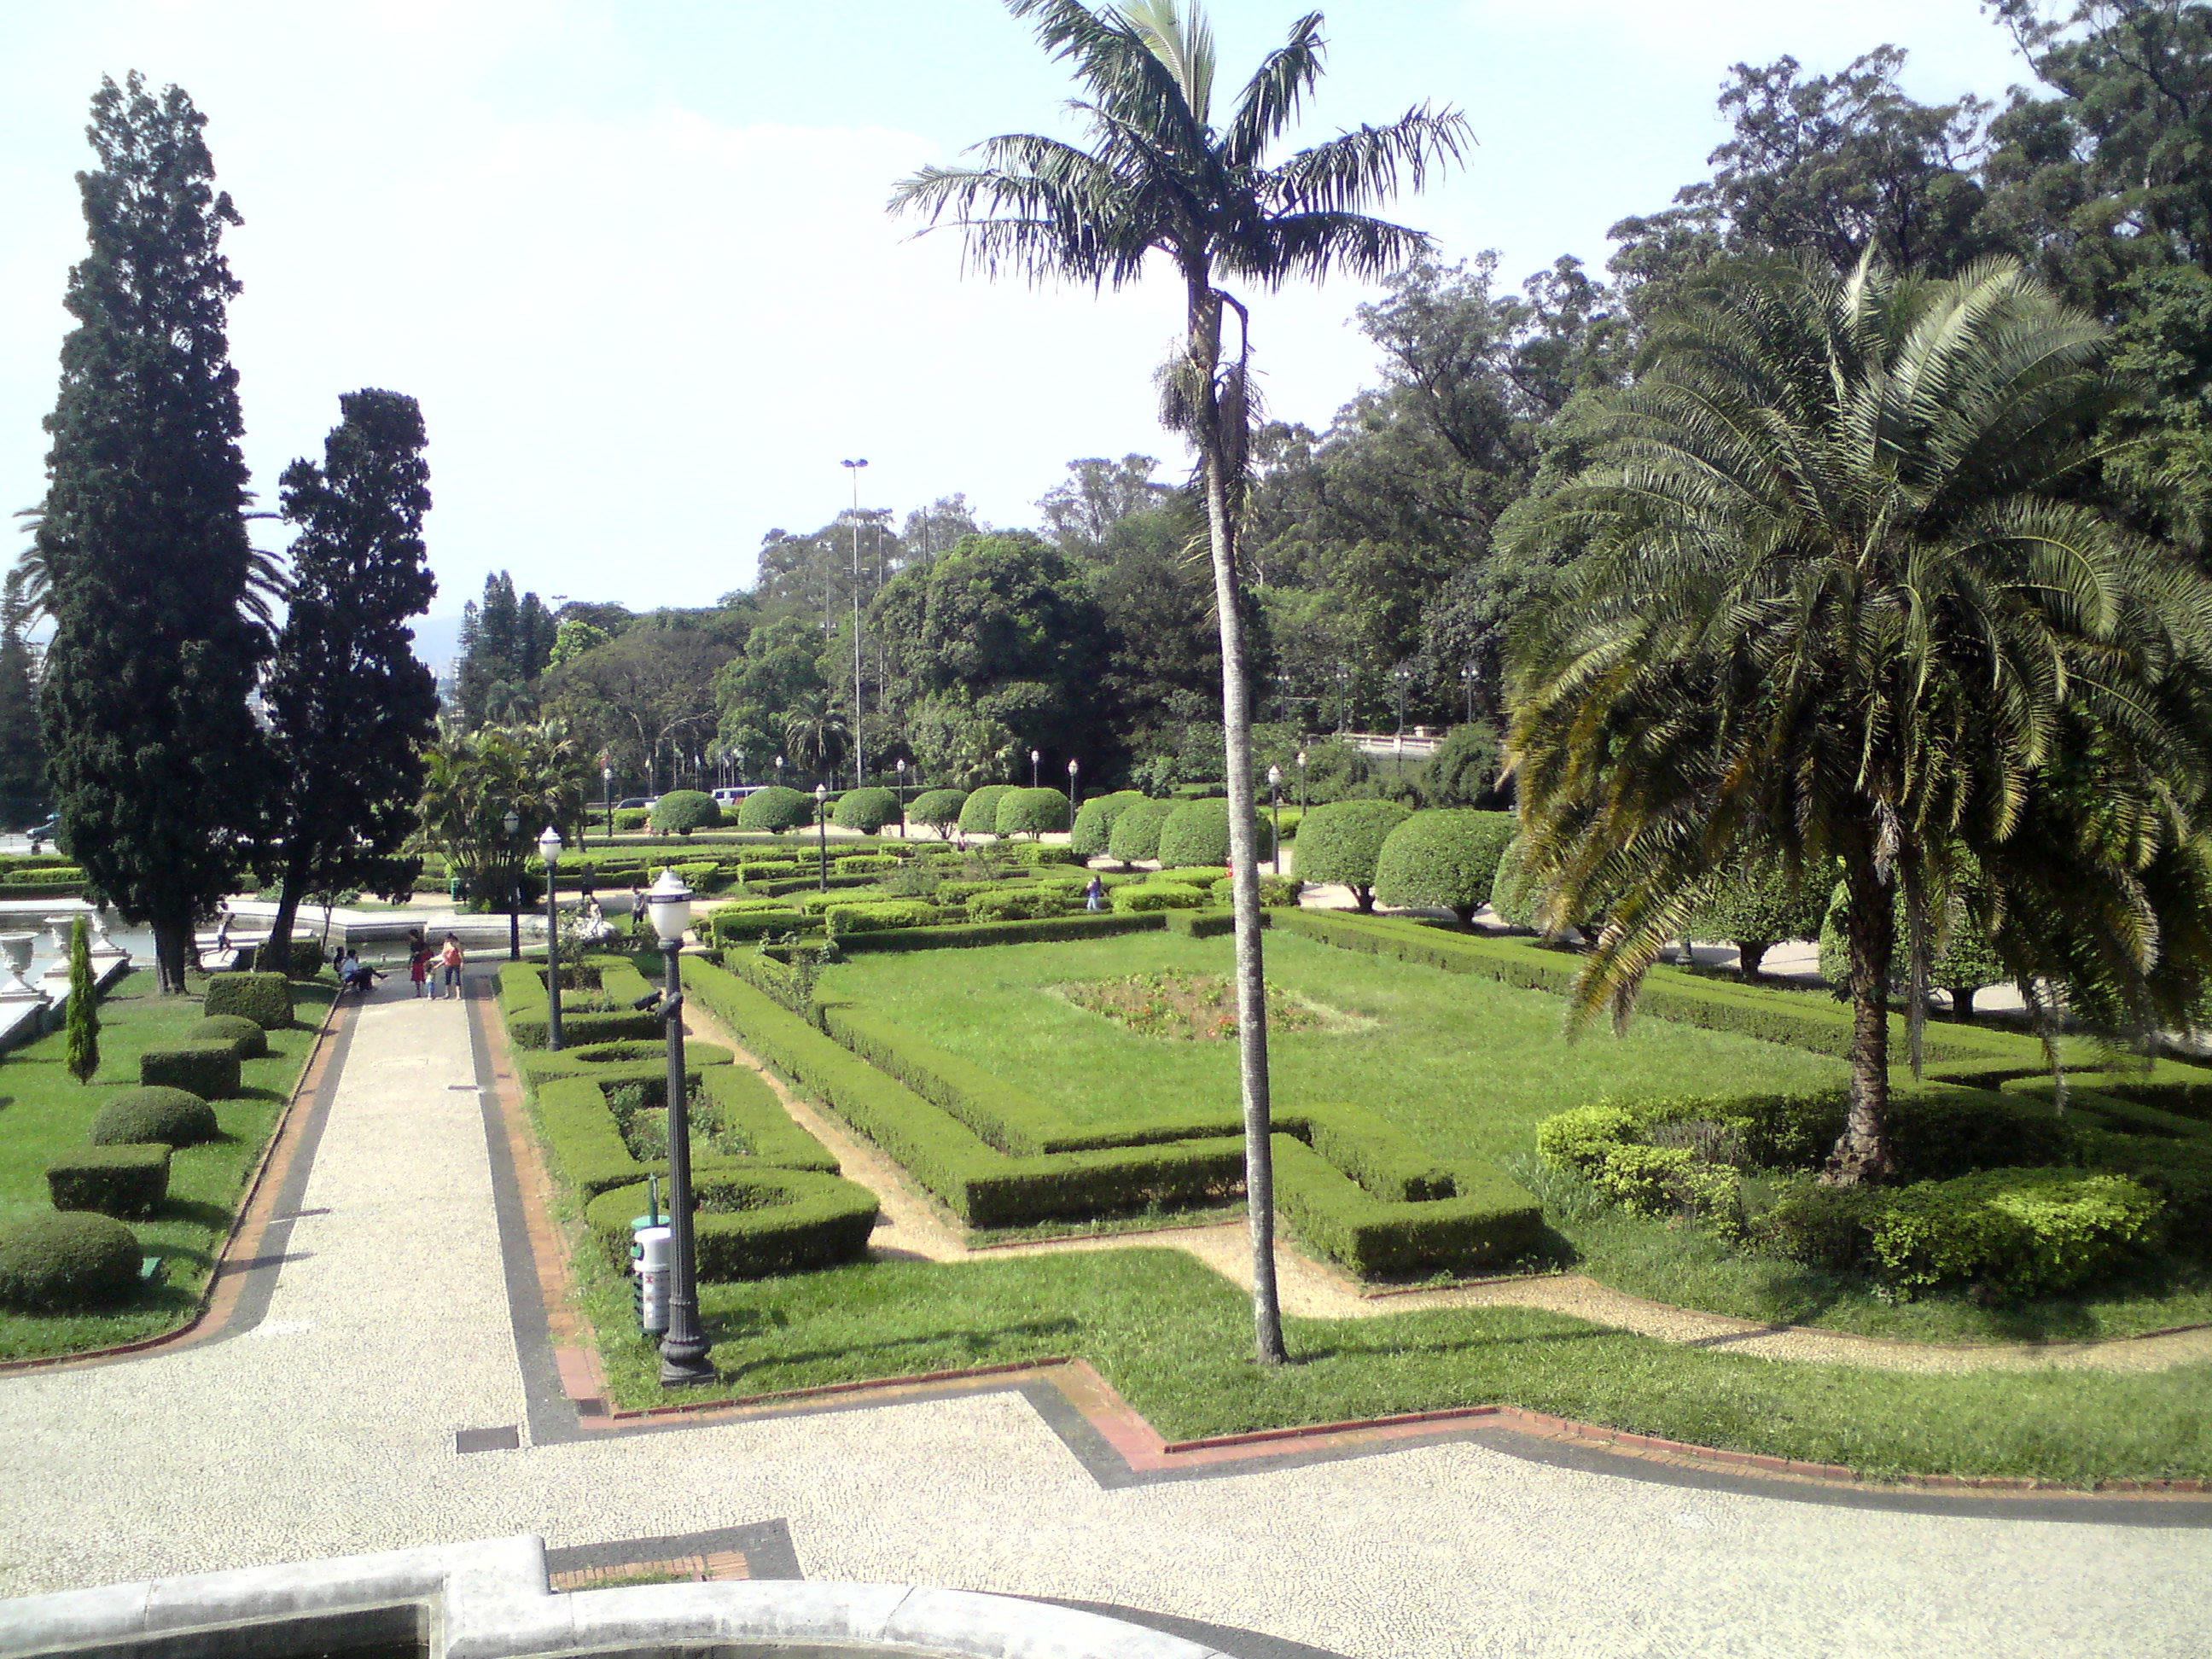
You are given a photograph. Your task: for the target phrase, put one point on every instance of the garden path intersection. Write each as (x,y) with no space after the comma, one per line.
(400,1309)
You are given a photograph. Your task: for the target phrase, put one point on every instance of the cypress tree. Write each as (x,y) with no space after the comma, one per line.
(22,756)
(158,768)
(83,1016)
(350,708)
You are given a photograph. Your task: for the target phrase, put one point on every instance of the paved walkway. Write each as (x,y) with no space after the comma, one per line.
(329,1427)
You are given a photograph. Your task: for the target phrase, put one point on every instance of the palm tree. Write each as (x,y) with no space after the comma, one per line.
(814,732)
(1161,178)
(538,772)
(1843,592)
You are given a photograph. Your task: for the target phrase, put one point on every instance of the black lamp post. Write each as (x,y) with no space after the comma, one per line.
(1302,780)
(1072,768)
(1034,758)
(901,765)
(1401,673)
(1275,800)
(607,794)
(513,823)
(778,771)
(822,830)
(684,1349)
(1468,676)
(549,848)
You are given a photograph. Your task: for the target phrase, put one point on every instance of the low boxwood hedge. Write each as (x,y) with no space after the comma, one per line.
(1047,929)
(1147,897)
(751,926)
(132,1179)
(1485,1219)
(245,1036)
(208,1070)
(627,1062)
(137,1117)
(523,1004)
(265,999)
(584,1141)
(74,1261)
(753,1223)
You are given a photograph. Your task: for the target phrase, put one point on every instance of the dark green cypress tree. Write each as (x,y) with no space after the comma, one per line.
(81,1017)
(23,755)
(159,770)
(350,708)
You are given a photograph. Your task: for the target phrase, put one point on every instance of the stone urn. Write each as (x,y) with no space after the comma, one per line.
(14,958)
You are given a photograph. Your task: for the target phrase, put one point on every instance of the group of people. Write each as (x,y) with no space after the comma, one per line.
(434,969)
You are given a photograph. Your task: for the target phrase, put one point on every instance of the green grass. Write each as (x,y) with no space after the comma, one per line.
(1173,1338)
(44,1112)
(1466,1066)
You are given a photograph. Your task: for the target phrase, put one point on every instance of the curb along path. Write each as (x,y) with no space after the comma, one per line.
(913,1225)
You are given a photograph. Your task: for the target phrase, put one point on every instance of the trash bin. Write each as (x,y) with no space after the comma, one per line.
(650,1252)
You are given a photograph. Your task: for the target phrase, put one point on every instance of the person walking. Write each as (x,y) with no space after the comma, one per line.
(1094,896)
(637,909)
(449,968)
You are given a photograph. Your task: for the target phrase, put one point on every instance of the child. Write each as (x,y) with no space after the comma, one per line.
(418,964)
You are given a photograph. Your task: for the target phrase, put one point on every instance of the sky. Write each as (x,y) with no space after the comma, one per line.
(633,259)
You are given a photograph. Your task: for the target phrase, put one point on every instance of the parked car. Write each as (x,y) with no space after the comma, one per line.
(637,803)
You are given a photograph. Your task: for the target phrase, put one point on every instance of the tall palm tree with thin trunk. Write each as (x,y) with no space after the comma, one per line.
(1844,591)
(1161,178)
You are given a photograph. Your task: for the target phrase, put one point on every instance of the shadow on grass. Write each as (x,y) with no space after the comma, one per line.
(979,1346)
(1404,1348)
(197,1212)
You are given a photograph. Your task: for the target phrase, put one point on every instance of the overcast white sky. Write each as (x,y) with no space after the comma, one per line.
(632,258)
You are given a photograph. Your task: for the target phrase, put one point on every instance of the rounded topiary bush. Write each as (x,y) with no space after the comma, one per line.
(66,1262)
(865,809)
(1094,824)
(1446,857)
(1031,813)
(775,809)
(136,1117)
(1967,962)
(979,816)
(1756,907)
(1342,841)
(1196,833)
(252,1042)
(937,808)
(682,811)
(1511,900)
(1137,832)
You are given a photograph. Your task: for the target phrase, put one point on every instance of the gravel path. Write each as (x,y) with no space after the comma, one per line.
(329,1429)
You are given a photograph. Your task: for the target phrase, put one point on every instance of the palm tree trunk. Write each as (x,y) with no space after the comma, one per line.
(1244,835)
(1862,1152)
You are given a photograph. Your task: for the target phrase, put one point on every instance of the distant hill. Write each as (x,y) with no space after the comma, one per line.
(437,643)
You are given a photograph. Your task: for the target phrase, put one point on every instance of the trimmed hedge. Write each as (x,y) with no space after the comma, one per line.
(880,917)
(584,1141)
(1136,832)
(682,811)
(622,1062)
(138,1117)
(1196,832)
(244,1034)
(265,999)
(753,1223)
(70,1262)
(751,926)
(937,808)
(208,1070)
(523,1003)
(1020,903)
(1048,930)
(1485,1219)
(1031,813)
(1446,857)
(1342,841)
(1094,821)
(865,810)
(979,814)
(129,1180)
(1146,897)
(776,809)
(2012,1234)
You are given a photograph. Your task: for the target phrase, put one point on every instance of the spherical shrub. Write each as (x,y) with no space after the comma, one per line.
(1342,841)
(1755,908)
(135,1117)
(252,1042)
(1136,832)
(937,808)
(66,1262)
(1511,898)
(1446,857)
(774,809)
(1197,832)
(682,811)
(865,809)
(1094,824)
(1031,813)
(979,816)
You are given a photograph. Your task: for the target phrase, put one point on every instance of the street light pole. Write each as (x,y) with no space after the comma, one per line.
(607,789)
(1467,675)
(902,797)
(684,1349)
(549,847)
(1401,673)
(1275,800)
(860,745)
(1072,766)
(822,830)
(1301,783)
(513,823)
(1034,758)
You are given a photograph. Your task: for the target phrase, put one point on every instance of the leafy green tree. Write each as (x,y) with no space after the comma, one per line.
(475,778)
(160,773)
(1162,178)
(1136,832)
(816,735)
(865,810)
(1342,841)
(938,810)
(682,811)
(23,755)
(776,809)
(1082,509)
(1095,821)
(1196,835)
(1031,813)
(1463,772)
(1756,907)
(979,814)
(83,1014)
(507,643)
(350,708)
(1833,607)
(647,692)
(1446,857)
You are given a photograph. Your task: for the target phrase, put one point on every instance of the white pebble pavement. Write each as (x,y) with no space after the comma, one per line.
(328,1429)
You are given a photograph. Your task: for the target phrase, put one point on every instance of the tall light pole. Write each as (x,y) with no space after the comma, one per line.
(684,1349)
(1034,758)
(859,746)
(1275,799)
(902,796)
(1072,766)
(1401,673)
(512,824)
(822,830)
(1468,675)
(549,848)
(607,790)
(1302,784)
(778,771)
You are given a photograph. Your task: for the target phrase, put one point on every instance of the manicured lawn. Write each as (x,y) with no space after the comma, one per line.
(1173,1338)
(44,1111)
(1467,1066)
